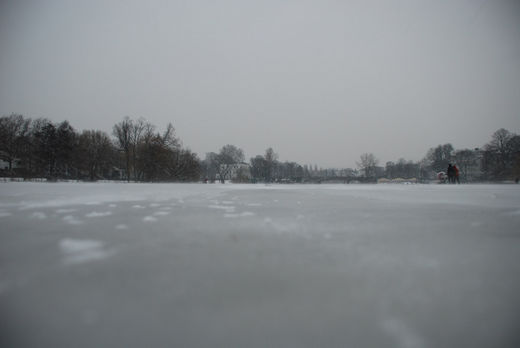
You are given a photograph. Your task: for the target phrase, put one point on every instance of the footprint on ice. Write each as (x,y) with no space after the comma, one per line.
(71,220)
(38,215)
(149,218)
(77,251)
(161,213)
(95,214)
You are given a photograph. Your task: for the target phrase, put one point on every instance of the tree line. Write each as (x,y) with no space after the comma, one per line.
(137,151)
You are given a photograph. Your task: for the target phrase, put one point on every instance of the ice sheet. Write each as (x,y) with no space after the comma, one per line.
(254,265)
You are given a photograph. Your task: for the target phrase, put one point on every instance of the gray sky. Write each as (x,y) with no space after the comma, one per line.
(319,81)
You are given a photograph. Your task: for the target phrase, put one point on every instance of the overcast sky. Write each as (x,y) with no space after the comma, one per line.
(319,81)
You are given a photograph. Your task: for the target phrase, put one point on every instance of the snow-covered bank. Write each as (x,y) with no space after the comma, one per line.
(252,265)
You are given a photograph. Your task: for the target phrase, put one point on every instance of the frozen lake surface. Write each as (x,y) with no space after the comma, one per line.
(193,265)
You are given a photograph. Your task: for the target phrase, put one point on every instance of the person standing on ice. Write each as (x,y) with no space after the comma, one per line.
(451,174)
(456,174)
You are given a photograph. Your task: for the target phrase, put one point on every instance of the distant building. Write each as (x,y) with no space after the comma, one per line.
(4,165)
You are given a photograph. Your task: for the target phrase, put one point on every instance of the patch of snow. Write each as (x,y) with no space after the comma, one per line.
(149,218)
(5,214)
(77,251)
(243,214)
(282,226)
(121,227)
(28,195)
(38,215)
(227,208)
(95,214)
(72,220)
(161,213)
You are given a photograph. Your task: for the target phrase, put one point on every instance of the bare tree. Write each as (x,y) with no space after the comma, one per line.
(270,161)
(122,131)
(137,131)
(367,163)
(258,167)
(169,138)
(94,154)
(514,144)
(211,166)
(147,148)
(66,138)
(439,157)
(498,155)
(183,165)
